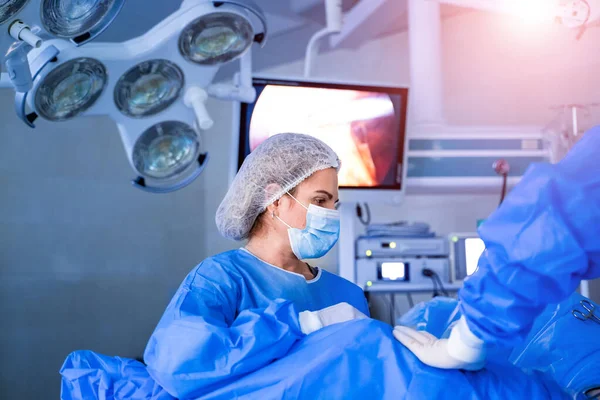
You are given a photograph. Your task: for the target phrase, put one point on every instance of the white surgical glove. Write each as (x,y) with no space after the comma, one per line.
(312,321)
(462,350)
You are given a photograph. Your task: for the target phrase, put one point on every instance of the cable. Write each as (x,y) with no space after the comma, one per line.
(411,303)
(501,167)
(431,275)
(504,183)
(444,291)
(435,287)
(437,281)
(359,213)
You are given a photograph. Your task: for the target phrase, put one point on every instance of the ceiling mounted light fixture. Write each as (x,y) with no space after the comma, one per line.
(165,150)
(167,157)
(10,8)
(159,82)
(148,88)
(70,89)
(215,38)
(79,20)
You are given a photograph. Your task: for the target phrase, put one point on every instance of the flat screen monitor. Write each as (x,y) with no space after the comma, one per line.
(466,249)
(364,125)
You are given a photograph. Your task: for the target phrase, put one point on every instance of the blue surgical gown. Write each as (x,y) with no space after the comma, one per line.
(232,315)
(542,241)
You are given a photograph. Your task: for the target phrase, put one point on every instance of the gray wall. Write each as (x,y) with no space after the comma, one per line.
(86,260)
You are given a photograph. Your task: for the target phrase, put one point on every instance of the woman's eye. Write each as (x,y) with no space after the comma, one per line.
(320,201)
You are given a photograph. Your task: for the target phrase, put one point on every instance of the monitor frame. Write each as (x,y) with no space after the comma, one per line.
(393,195)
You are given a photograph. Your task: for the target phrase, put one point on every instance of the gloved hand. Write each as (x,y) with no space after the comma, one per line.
(312,321)
(462,350)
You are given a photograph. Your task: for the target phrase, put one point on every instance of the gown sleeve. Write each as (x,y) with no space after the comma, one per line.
(540,244)
(202,343)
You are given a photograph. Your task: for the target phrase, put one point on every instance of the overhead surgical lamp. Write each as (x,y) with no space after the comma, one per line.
(79,21)
(154,86)
(10,8)
(148,88)
(28,21)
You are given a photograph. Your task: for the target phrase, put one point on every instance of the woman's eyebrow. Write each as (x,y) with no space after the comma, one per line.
(326,193)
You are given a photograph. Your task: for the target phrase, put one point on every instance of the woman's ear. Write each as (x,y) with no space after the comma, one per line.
(271,190)
(272,209)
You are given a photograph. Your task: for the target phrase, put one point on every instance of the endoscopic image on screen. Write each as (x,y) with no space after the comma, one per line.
(361,127)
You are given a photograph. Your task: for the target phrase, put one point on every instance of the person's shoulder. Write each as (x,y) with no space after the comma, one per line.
(338,281)
(224,259)
(214,282)
(218,269)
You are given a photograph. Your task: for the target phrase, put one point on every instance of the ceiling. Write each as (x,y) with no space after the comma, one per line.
(284,16)
(291,23)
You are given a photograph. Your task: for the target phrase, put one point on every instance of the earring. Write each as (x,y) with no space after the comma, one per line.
(273,214)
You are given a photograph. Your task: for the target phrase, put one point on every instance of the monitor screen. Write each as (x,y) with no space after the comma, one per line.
(474,247)
(364,125)
(467,249)
(392,271)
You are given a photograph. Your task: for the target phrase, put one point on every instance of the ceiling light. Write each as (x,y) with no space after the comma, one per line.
(10,8)
(148,88)
(215,38)
(165,150)
(80,20)
(70,89)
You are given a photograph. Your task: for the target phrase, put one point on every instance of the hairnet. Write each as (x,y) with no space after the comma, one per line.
(275,167)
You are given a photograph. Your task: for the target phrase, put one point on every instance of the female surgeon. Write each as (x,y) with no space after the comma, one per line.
(540,244)
(238,311)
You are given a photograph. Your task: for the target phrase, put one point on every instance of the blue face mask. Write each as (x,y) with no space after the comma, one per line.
(321,233)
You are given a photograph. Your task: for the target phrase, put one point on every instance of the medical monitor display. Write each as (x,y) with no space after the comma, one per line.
(392,271)
(364,125)
(474,247)
(466,249)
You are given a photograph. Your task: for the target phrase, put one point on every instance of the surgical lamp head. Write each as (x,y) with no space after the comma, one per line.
(154,87)
(26,22)
(79,21)
(10,8)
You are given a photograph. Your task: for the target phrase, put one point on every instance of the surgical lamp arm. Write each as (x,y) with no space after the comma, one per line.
(334,17)
(22,32)
(19,71)
(16,62)
(195,98)
(312,49)
(241,89)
